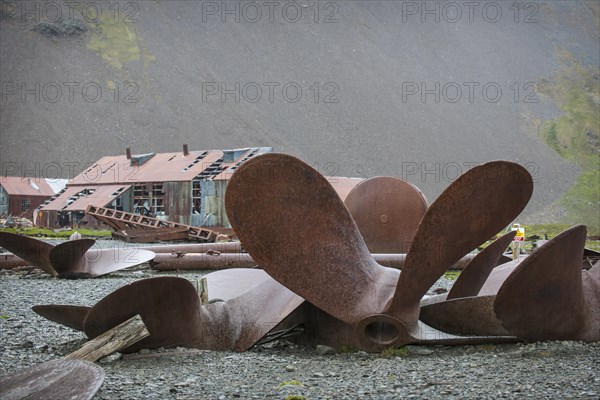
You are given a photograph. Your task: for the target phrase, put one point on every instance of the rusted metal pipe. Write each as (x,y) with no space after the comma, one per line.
(204,261)
(201,261)
(222,247)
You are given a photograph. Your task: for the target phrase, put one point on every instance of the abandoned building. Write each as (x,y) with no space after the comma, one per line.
(186,187)
(19,195)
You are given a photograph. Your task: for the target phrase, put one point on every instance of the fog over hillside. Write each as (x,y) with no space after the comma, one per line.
(355,88)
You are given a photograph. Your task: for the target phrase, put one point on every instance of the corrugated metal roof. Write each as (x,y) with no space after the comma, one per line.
(16,185)
(98,196)
(230,167)
(343,185)
(162,167)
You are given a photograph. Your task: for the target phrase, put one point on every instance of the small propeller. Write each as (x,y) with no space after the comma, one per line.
(73,259)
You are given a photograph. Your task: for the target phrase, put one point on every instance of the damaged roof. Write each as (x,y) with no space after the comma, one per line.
(166,167)
(31,186)
(76,198)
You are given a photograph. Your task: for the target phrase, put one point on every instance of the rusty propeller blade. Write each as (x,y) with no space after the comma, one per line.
(475,274)
(171,311)
(387,211)
(67,315)
(66,257)
(294,225)
(32,250)
(57,379)
(546,296)
(543,299)
(476,206)
(237,324)
(73,259)
(169,307)
(464,316)
(98,262)
(228,284)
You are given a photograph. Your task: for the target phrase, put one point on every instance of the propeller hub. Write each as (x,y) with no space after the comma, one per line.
(380,331)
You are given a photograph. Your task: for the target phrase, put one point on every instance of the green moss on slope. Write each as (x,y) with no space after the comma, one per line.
(575,135)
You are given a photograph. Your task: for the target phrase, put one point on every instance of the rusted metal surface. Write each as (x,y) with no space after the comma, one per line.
(119,220)
(387,211)
(160,168)
(74,258)
(10,261)
(475,274)
(544,297)
(67,315)
(221,247)
(213,259)
(201,261)
(294,225)
(102,196)
(151,235)
(34,251)
(464,316)
(242,314)
(26,186)
(476,206)
(58,379)
(343,186)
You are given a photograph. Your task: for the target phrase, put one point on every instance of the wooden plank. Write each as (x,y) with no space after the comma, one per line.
(120,337)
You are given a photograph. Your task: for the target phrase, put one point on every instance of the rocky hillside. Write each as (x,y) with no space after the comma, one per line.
(413,89)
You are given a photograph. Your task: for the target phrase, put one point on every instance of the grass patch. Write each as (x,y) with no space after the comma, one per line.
(293,382)
(348,350)
(45,232)
(551,230)
(115,40)
(452,275)
(395,352)
(593,245)
(575,135)
(295,397)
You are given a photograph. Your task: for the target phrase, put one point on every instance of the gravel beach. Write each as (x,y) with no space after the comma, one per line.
(281,370)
